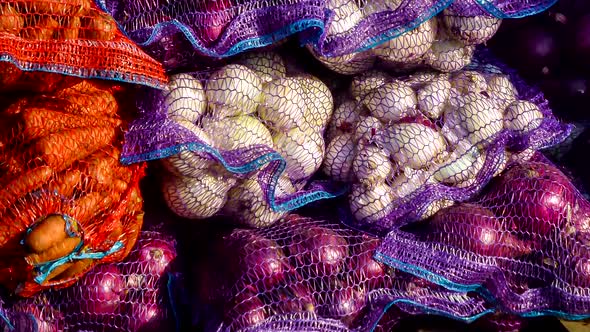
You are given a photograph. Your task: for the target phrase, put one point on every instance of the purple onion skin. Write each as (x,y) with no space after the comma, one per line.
(102,290)
(535,198)
(366,270)
(322,250)
(345,304)
(259,259)
(246,310)
(34,317)
(152,260)
(293,298)
(476,229)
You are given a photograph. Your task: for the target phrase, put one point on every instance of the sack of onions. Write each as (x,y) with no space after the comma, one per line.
(523,242)
(412,145)
(133,295)
(242,139)
(304,274)
(66,203)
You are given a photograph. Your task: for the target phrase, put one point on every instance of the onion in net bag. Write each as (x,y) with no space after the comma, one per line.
(72,37)
(134,295)
(303,274)
(521,243)
(242,139)
(66,202)
(412,145)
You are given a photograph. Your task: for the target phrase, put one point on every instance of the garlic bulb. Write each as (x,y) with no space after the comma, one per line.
(406,183)
(238,132)
(339,155)
(522,116)
(248,204)
(433,97)
(348,64)
(343,120)
(185,98)
(233,90)
(303,150)
(412,144)
(371,164)
(410,45)
(520,157)
(318,102)
(196,197)
(449,55)
(468,81)
(370,202)
(346,16)
(392,101)
(471,30)
(283,104)
(372,7)
(419,79)
(434,207)
(186,162)
(477,121)
(365,82)
(268,65)
(501,89)
(366,129)
(462,165)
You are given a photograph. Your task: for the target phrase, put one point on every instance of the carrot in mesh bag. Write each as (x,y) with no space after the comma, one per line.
(304,274)
(242,139)
(66,203)
(73,37)
(523,243)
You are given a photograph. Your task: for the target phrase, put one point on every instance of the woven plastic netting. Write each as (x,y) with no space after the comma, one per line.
(66,202)
(72,37)
(309,275)
(522,243)
(133,295)
(173,31)
(240,140)
(411,145)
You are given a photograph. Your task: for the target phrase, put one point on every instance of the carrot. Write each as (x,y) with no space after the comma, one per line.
(9,74)
(58,250)
(66,182)
(23,184)
(88,206)
(77,268)
(55,7)
(41,30)
(99,27)
(99,103)
(70,28)
(61,149)
(38,122)
(46,234)
(11,21)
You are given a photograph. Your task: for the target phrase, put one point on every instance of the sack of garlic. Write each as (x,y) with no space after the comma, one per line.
(412,145)
(433,34)
(240,140)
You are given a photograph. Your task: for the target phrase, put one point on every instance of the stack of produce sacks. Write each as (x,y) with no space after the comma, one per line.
(133,295)
(66,203)
(523,243)
(304,274)
(72,37)
(411,145)
(240,140)
(177,30)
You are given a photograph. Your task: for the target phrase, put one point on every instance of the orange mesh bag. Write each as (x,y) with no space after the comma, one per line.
(66,203)
(72,37)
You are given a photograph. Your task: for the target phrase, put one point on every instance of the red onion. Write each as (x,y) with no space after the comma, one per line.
(102,290)
(153,259)
(293,298)
(364,268)
(145,314)
(216,18)
(246,310)
(342,303)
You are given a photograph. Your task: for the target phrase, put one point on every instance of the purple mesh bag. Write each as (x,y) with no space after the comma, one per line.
(242,140)
(308,275)
(412,145)
(523,243)
(134,295)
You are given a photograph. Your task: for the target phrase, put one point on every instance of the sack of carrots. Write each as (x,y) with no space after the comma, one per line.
(66,204)
(72,37)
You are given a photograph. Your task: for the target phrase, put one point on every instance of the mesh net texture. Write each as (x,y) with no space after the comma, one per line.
(175,30)
(411,145)
(309,275)
(133,295)
(241,140)
(72,37)
(522,243)
(65,200)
